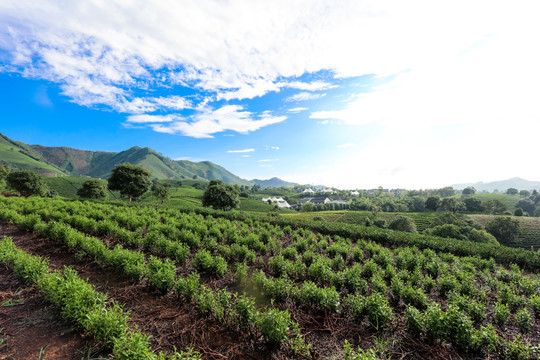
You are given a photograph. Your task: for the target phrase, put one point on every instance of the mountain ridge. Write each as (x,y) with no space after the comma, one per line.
(501,185)
(63,160)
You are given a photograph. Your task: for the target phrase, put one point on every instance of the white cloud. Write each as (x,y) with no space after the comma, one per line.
(241,151)
(271,147)
(346,145)
(304,96)
(312,86)
(142,119)
(267,160)
(297,109)
(207,122)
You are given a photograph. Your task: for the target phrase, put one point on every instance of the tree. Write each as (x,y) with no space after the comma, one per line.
(307,207)
(130,180)
(512,191)
(255,188)
(93,189)
(505,229)
(452,204)
(162,192)
(433,202)
(527,205)
(446,191)
(524,193)
(221,196)
(495,206)
(403,223)
(518,212)
(469,190)
(4,172)
(473,204)
(27,183)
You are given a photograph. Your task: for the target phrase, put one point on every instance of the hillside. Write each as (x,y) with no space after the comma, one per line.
(20,156)
(502,185)
(274,182)
(56,161)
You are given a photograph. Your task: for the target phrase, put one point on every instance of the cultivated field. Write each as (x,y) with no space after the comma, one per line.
(233,286)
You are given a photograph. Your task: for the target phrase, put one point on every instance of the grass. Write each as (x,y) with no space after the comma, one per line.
(24,159)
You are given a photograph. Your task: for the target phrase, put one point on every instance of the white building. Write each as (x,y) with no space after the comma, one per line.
(281,203)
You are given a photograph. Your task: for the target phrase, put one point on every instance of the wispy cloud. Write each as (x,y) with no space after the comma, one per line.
(297,109)
(304,96)
(142,119)
(346,145)
(207,122)
(241,151)
(271,147)
(267,160)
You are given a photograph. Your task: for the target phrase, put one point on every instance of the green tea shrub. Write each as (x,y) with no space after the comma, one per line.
(160,274)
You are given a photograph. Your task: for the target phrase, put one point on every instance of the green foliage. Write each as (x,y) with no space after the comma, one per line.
(378,311)
(162,193)
(274,325)
(160,274)
(27,183)
(501,314)
(221,196)
(524,320)
(188,287)
(505,229)
(92,189)
(359,354)
(403,223)
(130,180)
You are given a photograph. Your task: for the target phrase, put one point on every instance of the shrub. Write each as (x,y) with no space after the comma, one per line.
(524,320)
(274,325)
(378,311)
(160,274)
(188,286)
(403,223)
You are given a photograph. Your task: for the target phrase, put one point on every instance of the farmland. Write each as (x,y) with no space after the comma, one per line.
(232,285)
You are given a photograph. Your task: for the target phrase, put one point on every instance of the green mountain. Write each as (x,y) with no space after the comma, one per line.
(274,182)
(20,156)
(57,161)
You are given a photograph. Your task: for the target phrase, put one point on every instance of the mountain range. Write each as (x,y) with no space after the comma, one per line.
(60,161)
(502,185)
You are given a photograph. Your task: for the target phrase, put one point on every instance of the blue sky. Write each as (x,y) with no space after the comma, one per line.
(352,94)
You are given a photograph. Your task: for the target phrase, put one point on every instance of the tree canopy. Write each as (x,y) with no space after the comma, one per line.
(93,189)
(161,192)
(505,229)
(221,196)
(130,180)
(27,183)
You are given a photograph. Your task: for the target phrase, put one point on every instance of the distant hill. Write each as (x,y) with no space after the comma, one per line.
(21,156)
(274,182)
(517,183)
(58,161)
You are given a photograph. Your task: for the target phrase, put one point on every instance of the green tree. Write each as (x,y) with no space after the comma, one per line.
(473,204)
(524,193)
(255,188)
(452,204)
(512,191)
(93,189)
(221,196)
(469,190)
(433,203)
(527,205)
(505,229)
(495,206)
(307,207)
(27,183)
(130,180)
(518,212)
(162,192)
(4,172)
(403,223)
